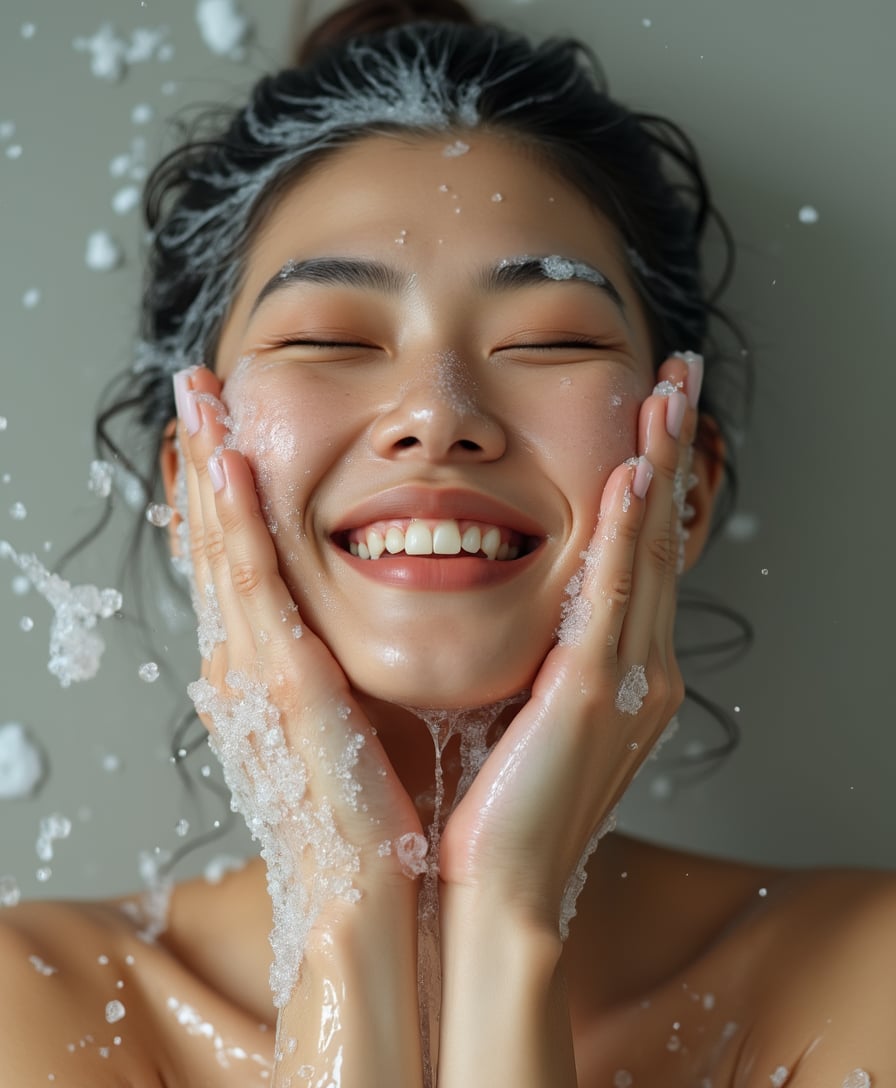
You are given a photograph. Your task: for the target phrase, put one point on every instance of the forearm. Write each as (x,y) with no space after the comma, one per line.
(505,1017)
(354,1012)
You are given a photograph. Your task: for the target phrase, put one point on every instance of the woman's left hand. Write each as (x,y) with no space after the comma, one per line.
(567,757)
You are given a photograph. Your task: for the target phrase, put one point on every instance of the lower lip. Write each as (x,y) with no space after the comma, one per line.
(435,574)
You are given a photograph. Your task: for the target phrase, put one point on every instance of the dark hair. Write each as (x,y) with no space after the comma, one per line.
(424,67)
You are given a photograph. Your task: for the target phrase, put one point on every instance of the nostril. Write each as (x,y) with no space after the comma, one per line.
(406,443)
(468,444)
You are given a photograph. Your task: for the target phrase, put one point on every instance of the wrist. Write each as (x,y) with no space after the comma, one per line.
(505,1016)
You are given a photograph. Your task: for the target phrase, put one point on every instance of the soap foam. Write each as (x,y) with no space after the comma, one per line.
(632,691)
(76,647)
(268,783)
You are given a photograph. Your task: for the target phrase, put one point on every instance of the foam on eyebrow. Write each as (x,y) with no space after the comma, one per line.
(560,268)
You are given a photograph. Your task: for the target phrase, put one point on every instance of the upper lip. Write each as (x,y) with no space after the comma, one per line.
(418,501)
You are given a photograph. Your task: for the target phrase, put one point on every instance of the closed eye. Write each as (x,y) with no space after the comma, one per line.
(289,341)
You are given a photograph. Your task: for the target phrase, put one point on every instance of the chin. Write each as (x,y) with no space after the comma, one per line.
(453,682)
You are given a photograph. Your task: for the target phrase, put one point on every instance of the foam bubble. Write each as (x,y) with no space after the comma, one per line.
(224,28)
(21,762)
(216,869)
(159,514)
(31,298)
(115,1011)
(858,1078)
(10,894)
(126,199)
(51,828)
(456,149)
(148,672)
(808,214)
(42,968)
(411,850)
(99,478)
(103,253)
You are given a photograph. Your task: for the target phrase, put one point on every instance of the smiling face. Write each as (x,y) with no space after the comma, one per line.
(430,409)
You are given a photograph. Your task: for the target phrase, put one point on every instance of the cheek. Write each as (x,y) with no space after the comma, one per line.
(284,434)
(588,427)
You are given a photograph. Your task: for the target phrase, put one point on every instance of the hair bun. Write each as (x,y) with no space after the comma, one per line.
(370,16)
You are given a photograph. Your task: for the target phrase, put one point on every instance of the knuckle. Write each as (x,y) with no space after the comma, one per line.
(663,550)
(197,543)
(246,578)
(215,548)
(618,590)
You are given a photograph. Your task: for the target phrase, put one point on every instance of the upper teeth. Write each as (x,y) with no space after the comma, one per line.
(439,538)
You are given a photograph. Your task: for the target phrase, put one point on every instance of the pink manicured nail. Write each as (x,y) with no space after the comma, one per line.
(642,478)
(695,374)
(676,406)
(184,398)
(216,472)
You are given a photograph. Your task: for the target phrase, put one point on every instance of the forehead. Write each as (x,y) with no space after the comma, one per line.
(441,191)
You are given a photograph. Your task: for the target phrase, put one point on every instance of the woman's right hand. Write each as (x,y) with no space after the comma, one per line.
(266,643)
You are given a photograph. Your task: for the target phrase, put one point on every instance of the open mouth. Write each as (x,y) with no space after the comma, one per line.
(440,538)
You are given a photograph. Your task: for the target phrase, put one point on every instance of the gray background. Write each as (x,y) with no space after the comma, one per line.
(791,105)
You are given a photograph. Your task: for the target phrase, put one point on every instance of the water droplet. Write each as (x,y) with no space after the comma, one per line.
(26,623)
(808,214)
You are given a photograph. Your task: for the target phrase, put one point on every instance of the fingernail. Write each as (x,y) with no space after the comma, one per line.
(695,374)
(187,408)
(642,478)
(216,472)
(676,406)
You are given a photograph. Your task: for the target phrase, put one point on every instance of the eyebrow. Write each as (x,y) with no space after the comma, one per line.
(508,274)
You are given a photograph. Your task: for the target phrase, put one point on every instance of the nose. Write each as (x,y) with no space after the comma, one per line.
(439,416)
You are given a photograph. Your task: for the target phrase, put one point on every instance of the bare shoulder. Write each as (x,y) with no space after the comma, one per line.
(63,971)
(824,991)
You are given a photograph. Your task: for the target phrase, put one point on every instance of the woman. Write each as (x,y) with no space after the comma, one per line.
(440,459)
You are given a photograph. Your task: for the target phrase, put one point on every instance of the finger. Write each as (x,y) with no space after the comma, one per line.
(290,654)
(692,376)
(595,614)
(188,422)
(666,420)
(219,615)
